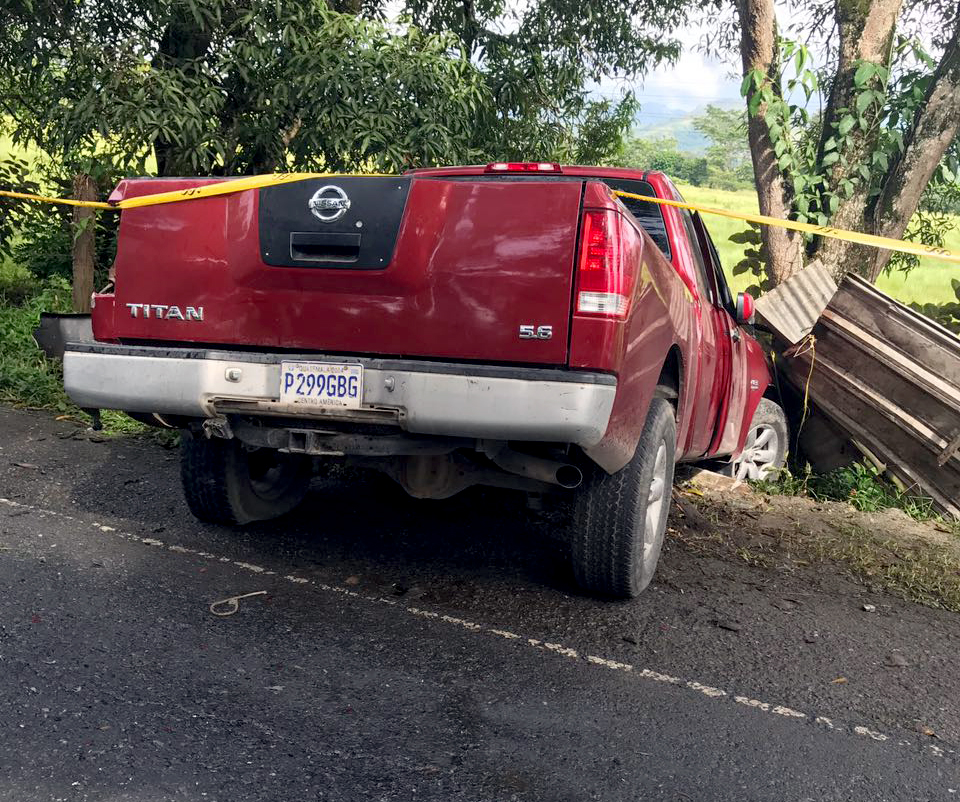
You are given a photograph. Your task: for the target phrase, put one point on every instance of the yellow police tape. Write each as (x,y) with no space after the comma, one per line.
(259,181)
(808,228)
(191,193)
(62,201)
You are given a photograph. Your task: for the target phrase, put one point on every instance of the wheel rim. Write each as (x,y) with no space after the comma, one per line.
(760,452)
(656,498)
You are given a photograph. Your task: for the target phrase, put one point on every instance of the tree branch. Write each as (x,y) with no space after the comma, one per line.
(934,128)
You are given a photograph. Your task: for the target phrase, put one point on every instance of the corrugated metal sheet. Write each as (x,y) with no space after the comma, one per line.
(793,308)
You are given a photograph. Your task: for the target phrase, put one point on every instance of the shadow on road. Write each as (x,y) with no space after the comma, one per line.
(361,519)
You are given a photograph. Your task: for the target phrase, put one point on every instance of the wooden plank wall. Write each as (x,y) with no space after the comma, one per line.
(891,379)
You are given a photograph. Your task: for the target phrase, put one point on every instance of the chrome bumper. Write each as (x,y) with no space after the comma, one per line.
(500,403)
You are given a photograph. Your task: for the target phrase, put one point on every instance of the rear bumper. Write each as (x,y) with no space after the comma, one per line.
(440,398)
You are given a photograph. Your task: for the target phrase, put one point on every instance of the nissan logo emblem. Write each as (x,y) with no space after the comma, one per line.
(329,203)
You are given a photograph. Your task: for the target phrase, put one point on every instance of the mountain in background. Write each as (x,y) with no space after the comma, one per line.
(656,120)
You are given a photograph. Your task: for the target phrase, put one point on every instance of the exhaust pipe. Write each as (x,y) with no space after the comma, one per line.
(544,470)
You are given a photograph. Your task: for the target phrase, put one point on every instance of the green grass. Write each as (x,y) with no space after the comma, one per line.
(862,485)
(28,378)
(923,573)
(929,283)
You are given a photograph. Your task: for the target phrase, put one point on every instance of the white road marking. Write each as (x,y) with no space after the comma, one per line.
(744,700)
(780,710)
(706,690)
(555,648)
(255,568)
(562,650)
(656,676)
(602,661)
(877,736)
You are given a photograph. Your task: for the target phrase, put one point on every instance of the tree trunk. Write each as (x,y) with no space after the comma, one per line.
(936,125)
(183,42)
(866,34)
(84,233)
(781,249)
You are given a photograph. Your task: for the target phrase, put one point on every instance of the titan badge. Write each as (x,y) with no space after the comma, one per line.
(165,311)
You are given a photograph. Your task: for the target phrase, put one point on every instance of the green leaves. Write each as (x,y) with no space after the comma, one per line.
(749,236)
(846,124)
(216,85)
(864,73)
(845,157)
(254,87)
(752,263)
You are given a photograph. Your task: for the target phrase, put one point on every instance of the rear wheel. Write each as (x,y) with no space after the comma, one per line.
(620,519)
(225,482)
(765,449)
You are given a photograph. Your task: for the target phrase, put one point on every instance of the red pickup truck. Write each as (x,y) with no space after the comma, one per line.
(517,325)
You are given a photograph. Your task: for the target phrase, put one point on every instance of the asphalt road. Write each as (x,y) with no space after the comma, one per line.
(426,650)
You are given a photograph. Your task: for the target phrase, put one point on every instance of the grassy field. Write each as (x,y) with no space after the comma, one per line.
(929,283)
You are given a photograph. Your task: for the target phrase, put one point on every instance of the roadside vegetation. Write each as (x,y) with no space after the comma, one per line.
(862,485)
(892,540)
(27,378)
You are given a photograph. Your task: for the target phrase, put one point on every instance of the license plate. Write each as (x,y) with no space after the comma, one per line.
(321,384)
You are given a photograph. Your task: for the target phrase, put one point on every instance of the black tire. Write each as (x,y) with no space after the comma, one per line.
(226,483)
(615,552)
(769,420)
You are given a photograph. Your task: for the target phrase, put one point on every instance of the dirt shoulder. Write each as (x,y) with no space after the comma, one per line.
(886,551)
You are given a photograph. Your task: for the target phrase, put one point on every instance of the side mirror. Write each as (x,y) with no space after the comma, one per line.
(745,308)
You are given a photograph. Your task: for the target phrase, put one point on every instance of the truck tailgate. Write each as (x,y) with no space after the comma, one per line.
(421,267)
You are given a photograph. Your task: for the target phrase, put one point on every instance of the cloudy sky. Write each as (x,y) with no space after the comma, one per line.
(692,83)
(676,91)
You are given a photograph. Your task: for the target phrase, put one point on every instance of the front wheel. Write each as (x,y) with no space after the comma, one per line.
(765,450)
(225,482)
(620,519)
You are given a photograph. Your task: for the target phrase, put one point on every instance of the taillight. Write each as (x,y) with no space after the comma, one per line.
(604,280)
(523,167)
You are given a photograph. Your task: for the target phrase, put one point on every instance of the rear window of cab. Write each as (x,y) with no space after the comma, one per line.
(649,215)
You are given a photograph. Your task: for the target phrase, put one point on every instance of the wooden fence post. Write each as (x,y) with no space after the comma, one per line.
(84,251)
